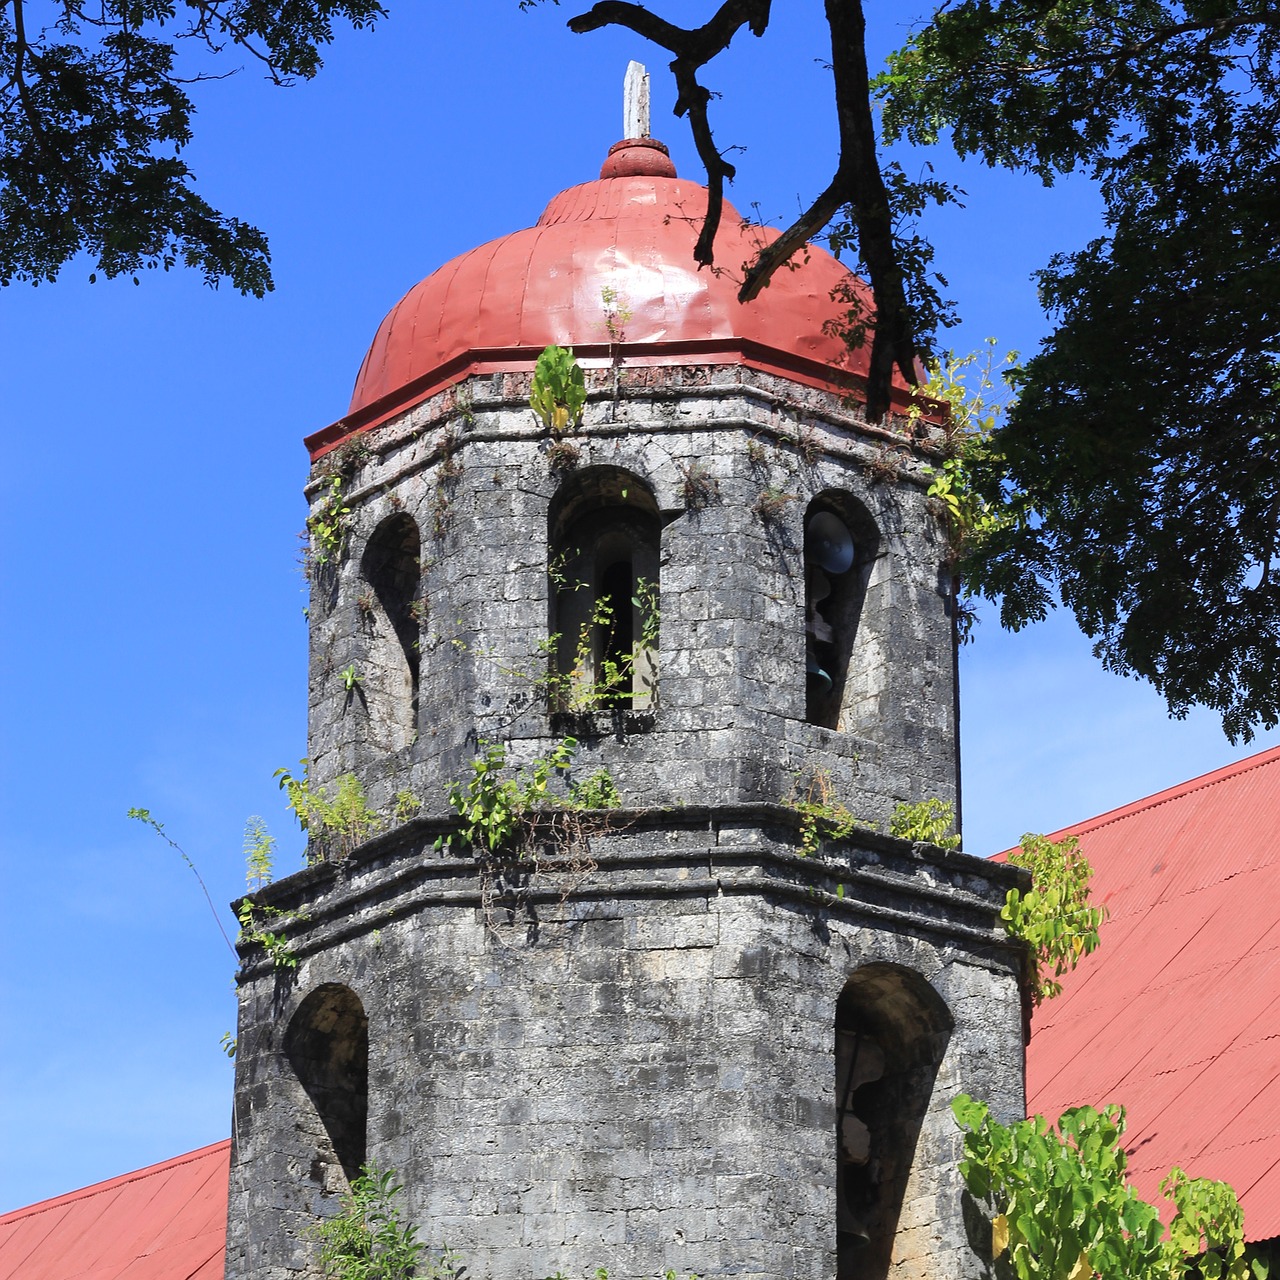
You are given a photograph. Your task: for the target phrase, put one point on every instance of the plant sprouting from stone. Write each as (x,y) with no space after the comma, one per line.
(931,821)
(563,455)
(771,503)
(1061,1207)
(699,486)
(334,824)
(597,791)
(616,314)
(591,677)
(500,810)
(408,805)
(351,678)
(366,1239)
(822,816)
(493,808)
(1054,917)
(261,924)
(328,523)
(558,394)
(259,851)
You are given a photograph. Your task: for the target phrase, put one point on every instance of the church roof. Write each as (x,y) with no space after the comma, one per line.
(165,1222)
(609,271)
(1177,1013)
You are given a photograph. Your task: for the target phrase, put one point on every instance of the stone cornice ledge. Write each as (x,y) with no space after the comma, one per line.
(720,850)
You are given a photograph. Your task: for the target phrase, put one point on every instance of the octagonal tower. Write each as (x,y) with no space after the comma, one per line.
(696,1031)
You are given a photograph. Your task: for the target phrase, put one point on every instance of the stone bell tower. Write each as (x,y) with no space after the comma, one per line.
(685,1032)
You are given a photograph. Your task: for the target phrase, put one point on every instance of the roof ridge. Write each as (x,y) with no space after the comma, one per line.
(108,1184)
(1200,782)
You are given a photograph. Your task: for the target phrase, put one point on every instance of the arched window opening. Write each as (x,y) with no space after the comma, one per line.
(391,615)
(604,532)
(891,1031)
(327,1044)
(840,542)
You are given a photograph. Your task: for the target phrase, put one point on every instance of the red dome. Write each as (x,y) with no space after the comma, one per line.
(615,252)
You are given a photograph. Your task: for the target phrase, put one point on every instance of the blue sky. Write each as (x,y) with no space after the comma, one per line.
(153,638)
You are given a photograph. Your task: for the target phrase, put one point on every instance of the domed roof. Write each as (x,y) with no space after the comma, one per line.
(607,270)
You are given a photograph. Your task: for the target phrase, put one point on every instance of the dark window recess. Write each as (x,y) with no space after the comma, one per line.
(829,554)
(391,615)
(327,1045)
(891,1031)
(603,537)
(616,674)
(841,543)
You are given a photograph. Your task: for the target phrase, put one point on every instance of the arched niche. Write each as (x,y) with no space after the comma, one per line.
(327,1045)
(840,547)
(891,1031)
(389,605)
(602,541)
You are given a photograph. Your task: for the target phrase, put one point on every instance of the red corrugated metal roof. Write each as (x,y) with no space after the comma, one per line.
(165,1222)
(1177,1014)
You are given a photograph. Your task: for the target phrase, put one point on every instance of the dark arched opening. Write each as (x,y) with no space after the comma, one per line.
(840,546)
(391,615)
(327,1044)
(891,1031)
(603,536)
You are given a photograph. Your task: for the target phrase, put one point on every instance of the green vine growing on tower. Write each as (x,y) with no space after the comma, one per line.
(499,811)
(822,816)
(928,820)
(328,524)
(1055,916)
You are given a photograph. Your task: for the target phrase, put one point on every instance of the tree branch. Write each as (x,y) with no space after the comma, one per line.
(693,47)
(30,111)
(1136,48)
(894,342)
(857,182)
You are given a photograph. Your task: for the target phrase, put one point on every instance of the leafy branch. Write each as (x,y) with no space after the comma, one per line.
(1061,1208)
(1054,917)
(335,825)
(929,820)
(499,813)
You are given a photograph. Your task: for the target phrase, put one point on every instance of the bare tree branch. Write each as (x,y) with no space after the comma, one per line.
(693,47)
(857,182)
(893,342)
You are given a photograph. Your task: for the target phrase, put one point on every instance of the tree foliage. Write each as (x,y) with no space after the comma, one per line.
(95,110)
(1143,448)
(1061,1208)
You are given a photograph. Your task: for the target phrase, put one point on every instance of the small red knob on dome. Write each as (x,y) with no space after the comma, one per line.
(638,158)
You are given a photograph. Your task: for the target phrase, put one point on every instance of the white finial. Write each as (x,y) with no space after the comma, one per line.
(635,102)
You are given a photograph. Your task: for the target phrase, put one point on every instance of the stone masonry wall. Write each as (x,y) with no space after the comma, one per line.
(471,467)
(622,1053)
(628,1066)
